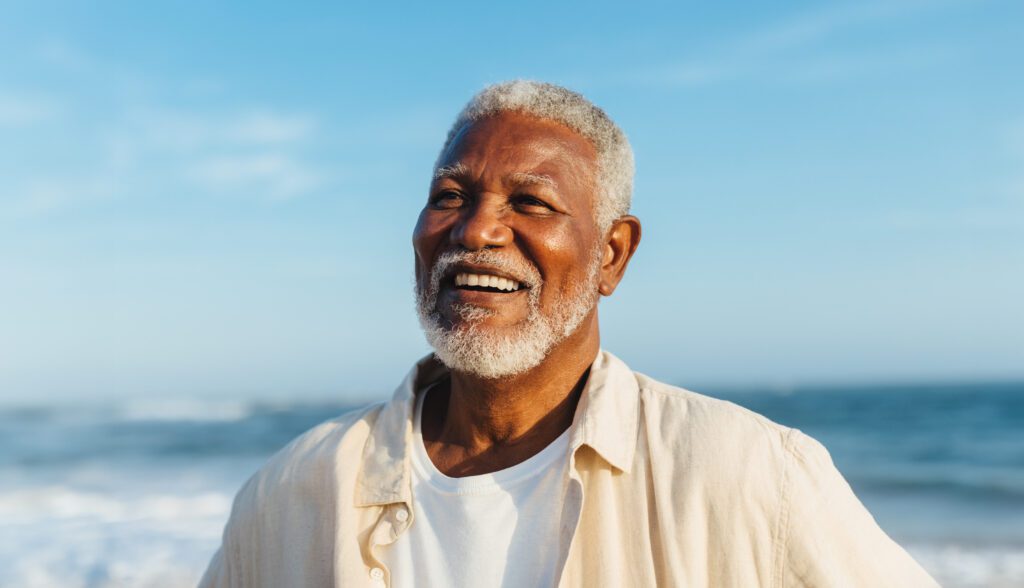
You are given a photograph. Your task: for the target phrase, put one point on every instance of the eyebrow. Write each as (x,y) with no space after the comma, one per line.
(460,171)
(455,171)
(530,179)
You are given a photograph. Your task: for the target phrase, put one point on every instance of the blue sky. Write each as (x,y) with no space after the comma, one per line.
(217,200)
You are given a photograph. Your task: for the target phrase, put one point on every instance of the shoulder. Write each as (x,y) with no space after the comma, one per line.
(734,460)
(674,414)
(702,444)
(311,464)
(284,514)
(774,480)
(324,441)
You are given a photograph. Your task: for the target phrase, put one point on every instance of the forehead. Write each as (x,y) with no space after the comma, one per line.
(515,142)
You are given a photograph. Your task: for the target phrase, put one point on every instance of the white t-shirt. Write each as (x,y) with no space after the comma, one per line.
(497,529)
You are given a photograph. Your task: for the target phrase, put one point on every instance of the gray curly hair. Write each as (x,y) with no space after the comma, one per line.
(551,102)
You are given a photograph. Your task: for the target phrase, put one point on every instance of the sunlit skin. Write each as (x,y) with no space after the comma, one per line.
(523,187)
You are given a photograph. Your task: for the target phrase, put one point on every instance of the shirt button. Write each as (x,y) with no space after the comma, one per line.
(402,515)
(377,574)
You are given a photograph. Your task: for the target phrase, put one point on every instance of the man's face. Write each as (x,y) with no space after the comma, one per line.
(513,199)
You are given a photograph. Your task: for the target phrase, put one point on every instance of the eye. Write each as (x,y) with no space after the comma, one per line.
(529,203)
(447,199)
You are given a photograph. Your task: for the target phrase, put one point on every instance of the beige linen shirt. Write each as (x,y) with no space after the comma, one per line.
(665,487)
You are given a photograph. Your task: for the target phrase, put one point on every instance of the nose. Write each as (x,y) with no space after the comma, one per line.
(481,226)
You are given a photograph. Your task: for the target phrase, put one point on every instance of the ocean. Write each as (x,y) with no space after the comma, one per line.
(136,494)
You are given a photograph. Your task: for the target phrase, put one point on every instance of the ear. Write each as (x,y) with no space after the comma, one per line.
(620,243)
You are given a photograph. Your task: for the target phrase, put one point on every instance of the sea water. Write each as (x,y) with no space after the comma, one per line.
(136,494)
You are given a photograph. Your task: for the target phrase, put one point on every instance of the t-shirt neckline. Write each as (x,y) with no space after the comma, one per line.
(482,483)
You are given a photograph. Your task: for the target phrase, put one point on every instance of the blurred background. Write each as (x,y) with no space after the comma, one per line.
(205,220)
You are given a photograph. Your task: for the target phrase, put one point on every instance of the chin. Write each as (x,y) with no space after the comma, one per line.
(482,319)
(488,351)
(500,342)
(488,361)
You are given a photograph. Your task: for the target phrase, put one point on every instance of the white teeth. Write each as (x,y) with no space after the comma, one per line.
(486,281)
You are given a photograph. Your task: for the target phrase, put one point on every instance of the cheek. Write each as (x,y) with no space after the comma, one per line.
(420,229)
(421,246)
(426,236)
(432,223)
(563,257)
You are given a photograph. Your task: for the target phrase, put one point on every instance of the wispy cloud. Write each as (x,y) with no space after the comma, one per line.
(276,175)
(18,110)
(969,219)
(1015,137)
(147,151)
(64,55)
(40,197)
(807,28)
(269,127)
(191,129)
(996,204)
(258,152)
(781,50)
(1015,144)
(259,155)
(140,135)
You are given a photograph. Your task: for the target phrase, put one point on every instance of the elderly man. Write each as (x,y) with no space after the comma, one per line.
(519,453)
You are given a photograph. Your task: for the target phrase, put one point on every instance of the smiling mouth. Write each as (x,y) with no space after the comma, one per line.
(485,283)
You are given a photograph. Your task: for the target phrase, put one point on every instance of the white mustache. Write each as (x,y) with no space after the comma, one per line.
(522,271)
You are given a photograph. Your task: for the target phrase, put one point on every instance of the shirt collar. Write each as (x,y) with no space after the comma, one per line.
(608,414)
(606,420)
(384,478)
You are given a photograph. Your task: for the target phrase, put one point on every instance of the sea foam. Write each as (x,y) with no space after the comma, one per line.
(57,536)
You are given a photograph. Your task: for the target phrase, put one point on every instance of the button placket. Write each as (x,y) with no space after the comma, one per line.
(400,519)
(377,577)
(394,520)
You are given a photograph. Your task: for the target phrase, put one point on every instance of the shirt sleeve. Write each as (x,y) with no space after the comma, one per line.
(216,573)
(829,538)
(230,566)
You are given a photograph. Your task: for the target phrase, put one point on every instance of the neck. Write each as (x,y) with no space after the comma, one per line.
(479,425)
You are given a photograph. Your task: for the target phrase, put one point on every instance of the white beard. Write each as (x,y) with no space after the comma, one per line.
(497,353)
